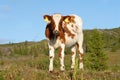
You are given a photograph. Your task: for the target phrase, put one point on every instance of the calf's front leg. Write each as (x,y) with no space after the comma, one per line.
(61,56)
(51,57)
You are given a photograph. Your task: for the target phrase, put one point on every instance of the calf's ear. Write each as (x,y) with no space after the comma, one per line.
(47,18)
(66,19)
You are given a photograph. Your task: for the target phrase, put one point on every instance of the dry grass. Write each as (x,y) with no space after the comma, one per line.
(36,68)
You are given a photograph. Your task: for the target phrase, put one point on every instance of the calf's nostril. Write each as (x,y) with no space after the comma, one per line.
(56,32)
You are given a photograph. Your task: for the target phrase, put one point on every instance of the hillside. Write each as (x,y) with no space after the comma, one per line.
(111,37)
(30,60)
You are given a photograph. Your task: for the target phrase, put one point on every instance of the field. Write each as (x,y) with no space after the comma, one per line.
(29,61)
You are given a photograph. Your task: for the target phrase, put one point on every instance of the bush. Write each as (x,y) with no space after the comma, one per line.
(97,57)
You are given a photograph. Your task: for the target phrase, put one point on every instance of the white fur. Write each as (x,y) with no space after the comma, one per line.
(56,18)
(62,57)
(51,54)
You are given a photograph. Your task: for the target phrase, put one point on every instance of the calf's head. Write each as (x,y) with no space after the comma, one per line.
(54,22)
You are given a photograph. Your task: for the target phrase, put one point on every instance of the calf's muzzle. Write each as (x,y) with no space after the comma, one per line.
(55,32)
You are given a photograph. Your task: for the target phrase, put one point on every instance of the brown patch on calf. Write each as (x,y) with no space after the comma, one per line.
(72,53)
(68,31)
(72,25)
(72,19)
(62,37)
(50,27)
(47,32)
(51,57)
(60,50)
(81,60)
(80,54)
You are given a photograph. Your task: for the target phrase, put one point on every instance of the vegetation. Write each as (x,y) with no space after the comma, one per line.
(30,60)
(97,58)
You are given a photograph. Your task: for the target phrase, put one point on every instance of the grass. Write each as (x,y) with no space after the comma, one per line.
(36,68)
(31,61)
(114,57)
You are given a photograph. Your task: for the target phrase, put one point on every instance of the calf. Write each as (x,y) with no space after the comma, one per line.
(64,31)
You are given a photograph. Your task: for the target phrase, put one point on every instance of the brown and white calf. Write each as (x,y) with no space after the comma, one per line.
(64,31)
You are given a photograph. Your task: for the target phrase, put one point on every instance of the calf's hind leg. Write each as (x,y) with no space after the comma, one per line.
(73,50)
(80,51)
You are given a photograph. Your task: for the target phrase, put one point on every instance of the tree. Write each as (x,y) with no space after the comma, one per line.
(97,57)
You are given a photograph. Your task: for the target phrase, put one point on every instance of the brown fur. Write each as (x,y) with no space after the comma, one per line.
(60,50)
(68,32)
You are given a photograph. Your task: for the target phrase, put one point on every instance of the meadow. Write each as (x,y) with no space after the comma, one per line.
(30,61)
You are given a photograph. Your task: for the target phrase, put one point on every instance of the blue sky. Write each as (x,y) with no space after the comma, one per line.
(22,20)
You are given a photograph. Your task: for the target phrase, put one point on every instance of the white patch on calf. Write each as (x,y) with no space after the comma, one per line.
(56,18)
